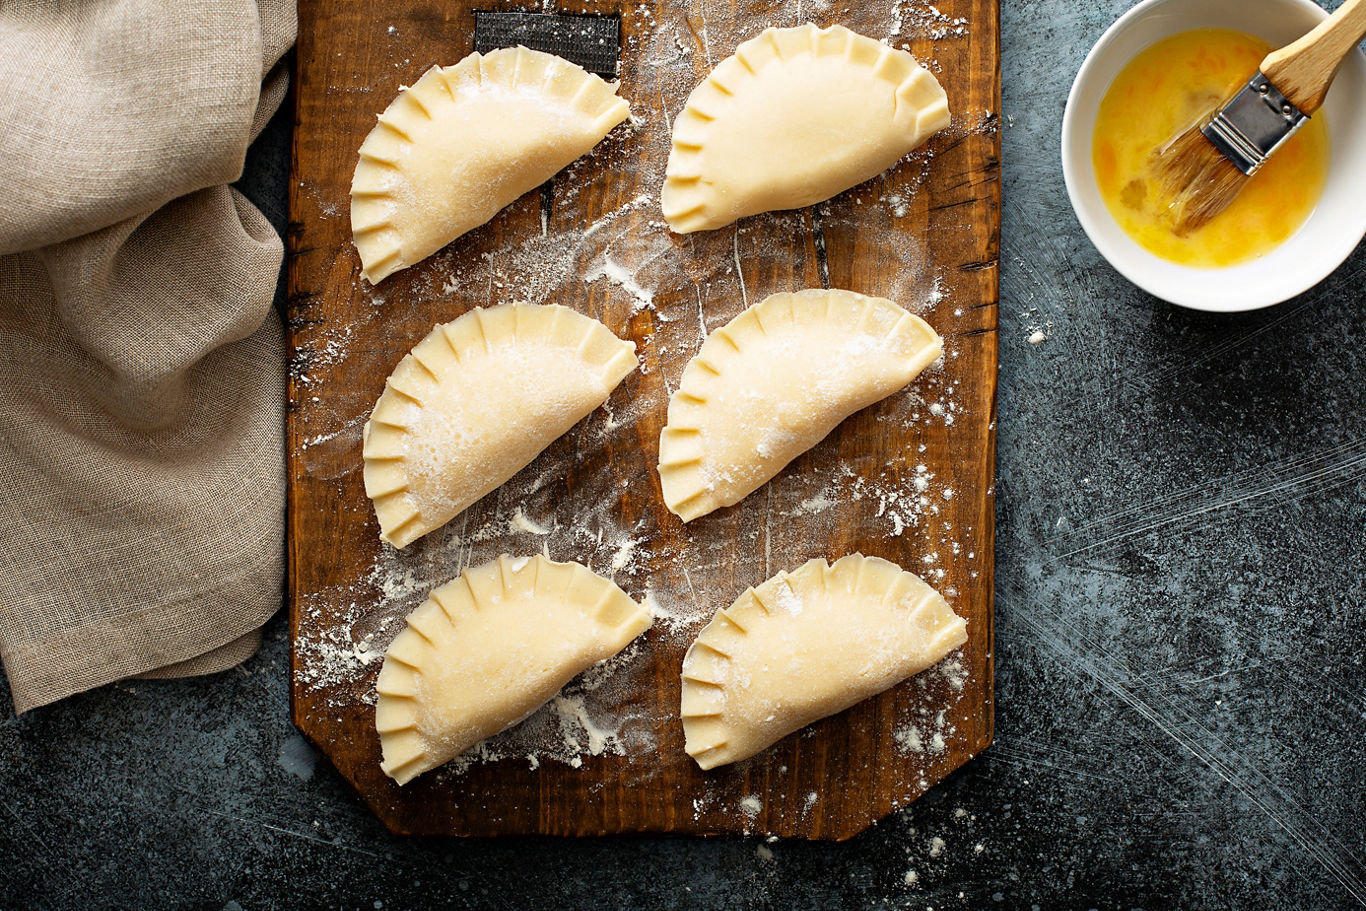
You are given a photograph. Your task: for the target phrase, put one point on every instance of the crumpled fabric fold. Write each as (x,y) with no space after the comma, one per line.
(142,370)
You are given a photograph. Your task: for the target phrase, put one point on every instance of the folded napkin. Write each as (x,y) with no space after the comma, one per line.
(142,369)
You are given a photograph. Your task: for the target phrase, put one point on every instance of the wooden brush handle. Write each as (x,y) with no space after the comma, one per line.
(1302,71)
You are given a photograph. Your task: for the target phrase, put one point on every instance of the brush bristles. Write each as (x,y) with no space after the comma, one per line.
(1199,180)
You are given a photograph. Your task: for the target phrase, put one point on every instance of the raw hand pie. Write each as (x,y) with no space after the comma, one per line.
(464,142)
(772,382)
(805,645)
(796,116)
(485,651)
(475,402)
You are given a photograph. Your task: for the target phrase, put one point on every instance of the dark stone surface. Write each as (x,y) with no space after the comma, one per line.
(1180,624)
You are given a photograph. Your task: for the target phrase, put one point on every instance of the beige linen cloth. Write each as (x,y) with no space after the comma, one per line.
(142,365)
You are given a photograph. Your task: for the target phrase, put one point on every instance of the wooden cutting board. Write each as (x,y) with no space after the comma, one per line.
(909,479)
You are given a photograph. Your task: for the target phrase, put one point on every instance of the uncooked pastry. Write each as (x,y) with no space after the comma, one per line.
(464,142)
(804,645)
(772,382)
(794,117)
(475,402)
(485,651)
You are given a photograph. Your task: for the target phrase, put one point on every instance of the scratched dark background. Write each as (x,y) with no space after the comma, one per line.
(1181,625)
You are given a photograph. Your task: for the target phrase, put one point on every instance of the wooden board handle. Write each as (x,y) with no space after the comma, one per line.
(1302,71)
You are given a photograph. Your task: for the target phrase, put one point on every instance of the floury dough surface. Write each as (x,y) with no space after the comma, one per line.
(807,644)
(1179,540)
(773,382)
(464,141)
(431,449)
(485,651)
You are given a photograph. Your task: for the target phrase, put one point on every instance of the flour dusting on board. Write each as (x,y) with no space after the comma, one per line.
(592,496)
(919,18)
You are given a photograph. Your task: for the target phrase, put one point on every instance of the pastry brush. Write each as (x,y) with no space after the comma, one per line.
(1202,170)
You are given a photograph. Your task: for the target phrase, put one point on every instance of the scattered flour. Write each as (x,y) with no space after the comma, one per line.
(925,19)
(298,758)
(622,558)
(623,279)
(520,522)
(899,204)
(574,717)
(344,649)
(909,739)
(927,728)
(812,505)
(936,294)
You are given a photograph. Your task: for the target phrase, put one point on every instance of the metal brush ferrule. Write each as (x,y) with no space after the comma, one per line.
(1253,125)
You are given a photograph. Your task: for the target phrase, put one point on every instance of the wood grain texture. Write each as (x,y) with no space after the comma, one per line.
(925,234)
(1303,70)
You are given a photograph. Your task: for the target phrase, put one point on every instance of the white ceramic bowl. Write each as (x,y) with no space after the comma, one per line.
(1333,229)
